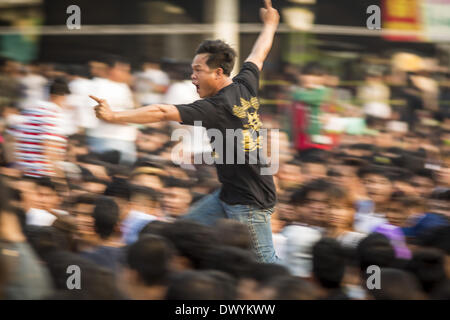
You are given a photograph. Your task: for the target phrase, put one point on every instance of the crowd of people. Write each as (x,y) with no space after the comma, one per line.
(107,198)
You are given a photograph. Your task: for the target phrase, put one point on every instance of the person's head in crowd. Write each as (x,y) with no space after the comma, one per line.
(151,140)
(293,288)
(438,238)
(47,194)
(441,292)
(147,175)
(46,239)
(312,75)
(313,165)
(59,89)
(439,201)
(340,217)
(401,207)
(120,190)
(377,184)
(290,175)
(361,151)
(424,181)
(212,65)
(377,250)
(401,182)
(310,202)
(118,68)
(328,265)
(177,197)
(106,217)
(428,265)
(145,200)
(82,209)
(195,285)
(227,284)
(148,268)
(91,183)
(443,176)
(98,69)
(233,233)
(154,227)
(96,283)
(67,226)
(396,284)
(193,241)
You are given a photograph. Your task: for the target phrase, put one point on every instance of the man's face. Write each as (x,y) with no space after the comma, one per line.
(203,77)
(176,201)
(378,188)
(120,72)
(317,206)
(48,198)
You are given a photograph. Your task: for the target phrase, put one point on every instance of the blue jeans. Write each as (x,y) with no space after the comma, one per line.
(210,209)
(127,149)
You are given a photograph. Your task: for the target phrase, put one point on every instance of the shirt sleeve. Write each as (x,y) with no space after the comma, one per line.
(249,76)
(200,110)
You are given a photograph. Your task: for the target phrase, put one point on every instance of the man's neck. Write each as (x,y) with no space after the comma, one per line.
(225,83)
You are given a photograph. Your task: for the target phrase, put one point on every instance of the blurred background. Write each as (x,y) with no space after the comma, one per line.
(364,150)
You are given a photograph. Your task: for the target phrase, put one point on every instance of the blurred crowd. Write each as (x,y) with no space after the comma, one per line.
(363,181)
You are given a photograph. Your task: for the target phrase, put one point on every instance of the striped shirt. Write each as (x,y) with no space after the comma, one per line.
(41,132)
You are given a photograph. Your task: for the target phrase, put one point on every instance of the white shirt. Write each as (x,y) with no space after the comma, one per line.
(39,217)
(120,98)
(144,81)
(79,100)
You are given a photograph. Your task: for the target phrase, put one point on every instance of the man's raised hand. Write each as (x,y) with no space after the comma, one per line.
(269,15)
(102,110)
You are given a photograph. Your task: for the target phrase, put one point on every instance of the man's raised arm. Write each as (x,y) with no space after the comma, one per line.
(270,18)
(147,114)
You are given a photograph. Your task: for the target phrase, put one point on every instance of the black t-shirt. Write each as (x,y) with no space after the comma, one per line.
(240,162)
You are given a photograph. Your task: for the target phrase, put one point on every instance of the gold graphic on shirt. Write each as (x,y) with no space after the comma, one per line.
(249,142)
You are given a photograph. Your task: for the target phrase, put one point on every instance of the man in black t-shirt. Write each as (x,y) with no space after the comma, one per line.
(229,112)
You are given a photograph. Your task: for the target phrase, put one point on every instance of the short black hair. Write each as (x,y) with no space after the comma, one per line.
(294,288)
(155,227)
(328,263)
(112,59)
(195,285)
(397,285)
(221,55)
(106,216)
(119,188)
(313,69)
(428,264)
(150,257)
(192,240)
(375,249)
(59,87)
(146,192)
(46,182)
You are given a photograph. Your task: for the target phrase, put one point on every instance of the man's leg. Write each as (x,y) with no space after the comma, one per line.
(258,222)
(207,210)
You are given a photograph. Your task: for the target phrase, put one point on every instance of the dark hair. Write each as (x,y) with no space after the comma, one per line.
(318,185)
(227,284)
(294,288)
(46,182)
(233,233)
(263,273)
(97,283)
(146,192)
(236,262)
(106,216)
(429,267)
(192,240)
(221,55)
(59,87)
(313,68)
(150,256)
(155,227)
(112,59)
(328,263)
(195,285)
(119,188)
(375,249)
(397,285)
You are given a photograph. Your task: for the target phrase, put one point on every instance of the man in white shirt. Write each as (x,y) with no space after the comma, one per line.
(105,136)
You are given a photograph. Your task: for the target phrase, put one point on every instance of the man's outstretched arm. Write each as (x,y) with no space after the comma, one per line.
(147,114)
(261,48)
